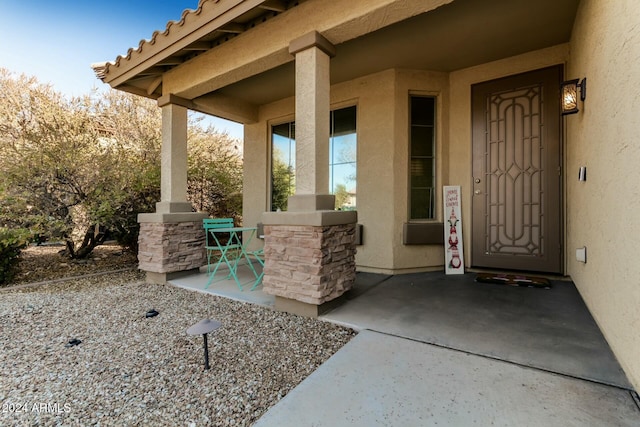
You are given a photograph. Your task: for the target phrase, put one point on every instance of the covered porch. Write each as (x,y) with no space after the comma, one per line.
(273,63)
(267,64)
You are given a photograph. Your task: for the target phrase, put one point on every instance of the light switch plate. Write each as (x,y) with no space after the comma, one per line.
(581,254)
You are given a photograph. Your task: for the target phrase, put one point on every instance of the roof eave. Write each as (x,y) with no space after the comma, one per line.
(211,15)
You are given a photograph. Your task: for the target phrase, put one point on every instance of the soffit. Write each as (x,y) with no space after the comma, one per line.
(461,34)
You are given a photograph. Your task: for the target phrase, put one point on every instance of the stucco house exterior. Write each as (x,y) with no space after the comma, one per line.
(385,102)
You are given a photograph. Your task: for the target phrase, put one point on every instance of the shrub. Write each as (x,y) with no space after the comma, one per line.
(11,242)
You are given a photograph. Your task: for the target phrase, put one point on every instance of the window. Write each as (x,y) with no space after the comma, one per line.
(342,160)
(283,164)
(422,161)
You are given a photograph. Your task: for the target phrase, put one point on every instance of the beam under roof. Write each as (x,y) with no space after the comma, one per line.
(274,5)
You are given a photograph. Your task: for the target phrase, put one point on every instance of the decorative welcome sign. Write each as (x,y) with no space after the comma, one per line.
(453,254)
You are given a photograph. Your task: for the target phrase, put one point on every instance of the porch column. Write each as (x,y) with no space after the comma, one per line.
(171,240)
(313,53)
(310,249)
(173,169)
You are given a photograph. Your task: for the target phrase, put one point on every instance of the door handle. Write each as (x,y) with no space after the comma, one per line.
(477,180)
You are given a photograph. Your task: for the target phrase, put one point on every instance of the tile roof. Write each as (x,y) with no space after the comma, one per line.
(198,30)
(102,68)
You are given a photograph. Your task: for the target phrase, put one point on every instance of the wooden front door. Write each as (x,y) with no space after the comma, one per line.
(517,210)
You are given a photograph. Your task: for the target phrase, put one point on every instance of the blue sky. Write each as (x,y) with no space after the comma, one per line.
(57,41)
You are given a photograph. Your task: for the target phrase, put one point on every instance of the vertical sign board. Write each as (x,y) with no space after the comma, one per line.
(453,254)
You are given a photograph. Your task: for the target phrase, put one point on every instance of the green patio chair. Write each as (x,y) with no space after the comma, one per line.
(259,256)
(211,244)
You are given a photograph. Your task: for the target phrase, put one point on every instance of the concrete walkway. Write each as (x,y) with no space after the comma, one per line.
(383,380)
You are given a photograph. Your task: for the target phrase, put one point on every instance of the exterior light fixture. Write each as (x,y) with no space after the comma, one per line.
(569,95)
(204,327)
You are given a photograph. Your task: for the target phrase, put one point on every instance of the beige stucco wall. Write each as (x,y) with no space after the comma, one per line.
(383,149)
(603,136)
(418,257)
(375,181)
(255,175)
(383,152)
(460,153)
(383,126)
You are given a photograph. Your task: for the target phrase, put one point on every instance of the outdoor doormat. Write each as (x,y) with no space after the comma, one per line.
(514,280)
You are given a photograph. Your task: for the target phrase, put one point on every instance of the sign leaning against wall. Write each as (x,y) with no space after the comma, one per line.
(453,254)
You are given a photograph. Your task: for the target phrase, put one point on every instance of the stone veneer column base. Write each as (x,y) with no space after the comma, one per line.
(170,245)
(162,278)
(305,309)
(309,259)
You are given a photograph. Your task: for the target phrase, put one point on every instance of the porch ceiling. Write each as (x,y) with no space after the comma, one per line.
(457,35)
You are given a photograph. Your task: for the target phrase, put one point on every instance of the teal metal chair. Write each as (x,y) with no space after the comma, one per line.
(259,256)
(211,244)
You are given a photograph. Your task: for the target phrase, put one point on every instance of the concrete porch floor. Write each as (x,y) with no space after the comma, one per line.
(228,288)
(445,350)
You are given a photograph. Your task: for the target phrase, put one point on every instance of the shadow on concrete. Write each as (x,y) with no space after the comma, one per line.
(548,329)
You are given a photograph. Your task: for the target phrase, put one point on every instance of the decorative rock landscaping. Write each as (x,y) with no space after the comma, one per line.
(130,369)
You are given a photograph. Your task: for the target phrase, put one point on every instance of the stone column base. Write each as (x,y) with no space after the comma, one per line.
(170,245)
(305,309)
(162,278)
(308,265)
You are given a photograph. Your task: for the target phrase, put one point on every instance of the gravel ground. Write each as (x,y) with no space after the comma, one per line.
(42,263)
(133,370)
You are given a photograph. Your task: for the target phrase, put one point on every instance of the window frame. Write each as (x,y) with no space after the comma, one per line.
(270,125)
(334,108)
(291,120)
(435,215)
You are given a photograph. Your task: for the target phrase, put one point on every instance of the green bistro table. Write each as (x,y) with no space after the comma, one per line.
(233,252)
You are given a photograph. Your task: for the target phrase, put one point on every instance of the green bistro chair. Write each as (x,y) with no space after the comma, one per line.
(211,244)
(259,256)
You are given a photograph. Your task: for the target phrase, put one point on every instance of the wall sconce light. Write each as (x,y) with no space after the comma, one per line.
(569,94)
